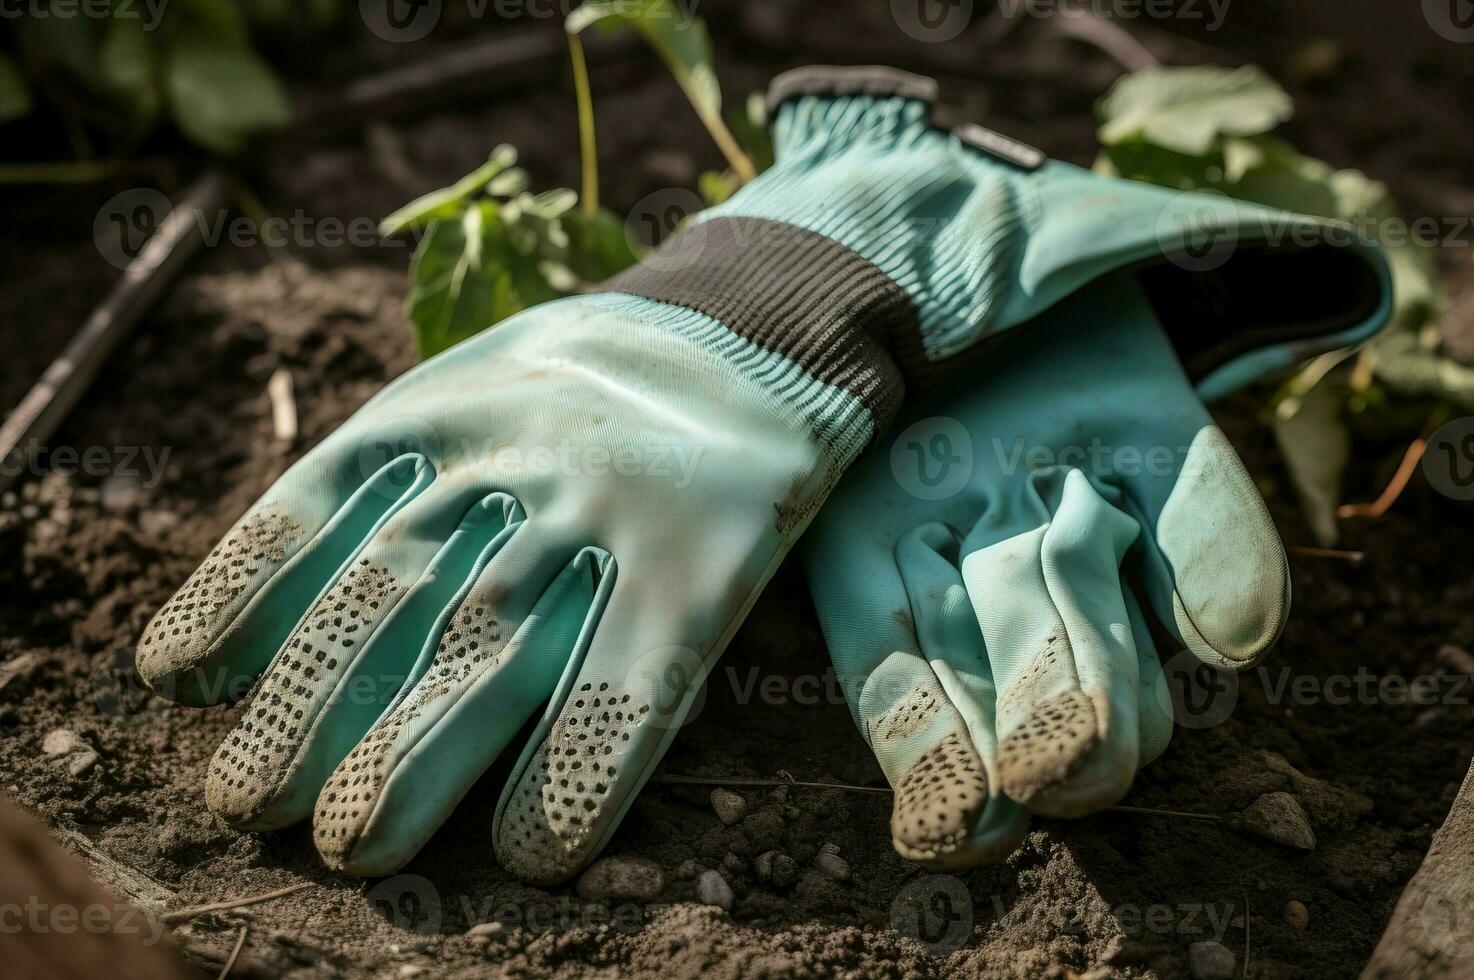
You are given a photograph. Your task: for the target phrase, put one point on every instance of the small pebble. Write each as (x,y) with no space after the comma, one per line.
(621,877)
(687,870)
(1456,660)
(1296,914)
(831,865)
(121,493)
(730,807)
(776,867)
(486,933)
(712,889)
(734,864)
(1280,818)
(1210,961)
(765,829)
(156,523)
(69,746)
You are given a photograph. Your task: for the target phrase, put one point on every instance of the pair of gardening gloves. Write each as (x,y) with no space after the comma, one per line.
(565,519)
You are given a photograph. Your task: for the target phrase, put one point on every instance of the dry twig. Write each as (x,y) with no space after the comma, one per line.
(236,903)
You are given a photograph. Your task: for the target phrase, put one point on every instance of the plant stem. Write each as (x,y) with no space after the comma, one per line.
(723,137)
(73,172)
(587,149)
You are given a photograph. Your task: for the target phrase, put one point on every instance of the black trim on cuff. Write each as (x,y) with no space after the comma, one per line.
(834,80)
(794,292)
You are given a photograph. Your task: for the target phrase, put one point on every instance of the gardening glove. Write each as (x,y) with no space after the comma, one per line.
(578,507)
(970,577)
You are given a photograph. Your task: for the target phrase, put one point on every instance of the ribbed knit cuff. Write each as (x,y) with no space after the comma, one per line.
(793,292)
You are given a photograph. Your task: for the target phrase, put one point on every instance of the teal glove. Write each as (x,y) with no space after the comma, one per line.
(578,507)
(969,580)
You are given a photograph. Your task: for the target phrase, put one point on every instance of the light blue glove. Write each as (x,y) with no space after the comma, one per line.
(969,577)
(578,507)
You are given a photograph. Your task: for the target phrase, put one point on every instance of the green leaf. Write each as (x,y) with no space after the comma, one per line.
(15,94)
(598,247)
(452,293)
(1166,168)
(221,20)
(681,41)
(49,42)
(448,201)
(127,65)
(221,92)
(715,187)
(467,275)
(1316,445)
(1190,109)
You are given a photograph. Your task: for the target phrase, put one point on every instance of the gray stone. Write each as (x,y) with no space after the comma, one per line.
(157,523)
(121,493)
(765,829)
(1210,961)
(1280,818)
(487,933)
(777,868)
(730,807)
(831,865)
(1297,915)
(621,877)
(712,889)
(69,747)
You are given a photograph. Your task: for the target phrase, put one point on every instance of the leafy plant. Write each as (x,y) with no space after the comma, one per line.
(491,247)
(1207,128)
(190,62)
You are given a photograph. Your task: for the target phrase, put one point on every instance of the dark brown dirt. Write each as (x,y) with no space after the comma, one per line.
(89,557)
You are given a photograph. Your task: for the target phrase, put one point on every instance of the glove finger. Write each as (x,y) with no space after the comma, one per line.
(1156,719)
(225,623)
(616,710)
(1050,605)
(498,660)
(1210,557)
(871,623)
(351,654)
(948,812)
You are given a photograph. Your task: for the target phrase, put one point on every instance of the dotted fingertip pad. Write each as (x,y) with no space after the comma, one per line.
(939,799)
(471,644)
(256,759)
(182,632)
(550,822)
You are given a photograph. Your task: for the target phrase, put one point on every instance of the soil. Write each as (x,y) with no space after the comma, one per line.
(91,553)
